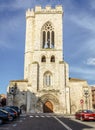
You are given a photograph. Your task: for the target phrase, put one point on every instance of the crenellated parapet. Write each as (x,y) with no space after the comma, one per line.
(30,13)
(47,9)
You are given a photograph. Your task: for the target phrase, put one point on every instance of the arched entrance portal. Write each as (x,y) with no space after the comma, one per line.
(48,107)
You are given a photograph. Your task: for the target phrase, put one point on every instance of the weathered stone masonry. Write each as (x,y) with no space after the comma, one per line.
(46,86)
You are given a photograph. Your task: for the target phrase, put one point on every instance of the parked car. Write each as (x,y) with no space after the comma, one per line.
(85,115)
(4,116)
(17,109)
(12,112)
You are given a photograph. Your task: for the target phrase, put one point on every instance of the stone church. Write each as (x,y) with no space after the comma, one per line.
(46,86)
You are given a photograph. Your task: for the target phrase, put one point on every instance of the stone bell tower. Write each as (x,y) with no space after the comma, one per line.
(44,68)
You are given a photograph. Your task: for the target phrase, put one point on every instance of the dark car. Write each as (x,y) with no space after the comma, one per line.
(17,109)
(4,116)
(12,112)
(85,115)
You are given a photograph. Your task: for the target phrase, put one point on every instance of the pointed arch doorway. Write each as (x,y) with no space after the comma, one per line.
(48,107)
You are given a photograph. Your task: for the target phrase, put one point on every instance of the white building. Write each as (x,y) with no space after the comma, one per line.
(46,86)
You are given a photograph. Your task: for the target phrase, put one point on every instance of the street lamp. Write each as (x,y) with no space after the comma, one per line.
(13,91)
(86,95)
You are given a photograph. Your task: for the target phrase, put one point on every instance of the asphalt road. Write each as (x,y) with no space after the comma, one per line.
(47,122)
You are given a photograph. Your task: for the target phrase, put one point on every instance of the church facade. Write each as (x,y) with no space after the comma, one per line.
(46,86)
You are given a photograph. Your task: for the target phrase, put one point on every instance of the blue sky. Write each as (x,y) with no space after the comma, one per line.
(78,38)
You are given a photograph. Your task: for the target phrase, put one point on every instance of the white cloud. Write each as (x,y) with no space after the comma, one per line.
(84,20)
(81,70)
(91,61)
(83,35)
(92,4)
(83,73)
(87,47)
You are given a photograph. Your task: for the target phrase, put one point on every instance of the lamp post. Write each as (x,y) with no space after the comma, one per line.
(86,95)
(13,91)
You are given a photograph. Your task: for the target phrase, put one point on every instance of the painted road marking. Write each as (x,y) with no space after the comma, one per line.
(31,116)
(48,116)
(66,126)
(42,116)
(14,125)
(4,128)
(37,116)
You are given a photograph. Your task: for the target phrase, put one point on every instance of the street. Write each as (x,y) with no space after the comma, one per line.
(48,122)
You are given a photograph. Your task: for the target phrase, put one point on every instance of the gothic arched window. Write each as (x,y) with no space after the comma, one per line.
(52,59)
(43,59)
(48,35)
(47,79)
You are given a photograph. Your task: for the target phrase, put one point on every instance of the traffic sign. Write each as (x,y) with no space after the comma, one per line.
(81,101)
